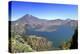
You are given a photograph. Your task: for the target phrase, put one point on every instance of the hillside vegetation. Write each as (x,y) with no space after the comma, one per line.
(29,43)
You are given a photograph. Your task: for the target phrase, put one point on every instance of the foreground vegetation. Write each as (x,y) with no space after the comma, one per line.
(29,43)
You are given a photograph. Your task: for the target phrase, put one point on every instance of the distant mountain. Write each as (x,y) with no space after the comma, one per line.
(31,22)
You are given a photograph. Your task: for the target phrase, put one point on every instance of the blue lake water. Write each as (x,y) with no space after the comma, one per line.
(63,33)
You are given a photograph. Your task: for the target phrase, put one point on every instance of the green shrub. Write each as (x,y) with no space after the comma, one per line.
(18,45)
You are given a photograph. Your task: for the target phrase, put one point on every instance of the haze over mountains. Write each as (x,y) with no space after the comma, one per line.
(55,30)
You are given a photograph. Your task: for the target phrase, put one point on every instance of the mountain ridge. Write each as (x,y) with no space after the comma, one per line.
(33,22)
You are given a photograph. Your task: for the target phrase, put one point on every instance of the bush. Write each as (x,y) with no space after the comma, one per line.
(18,45)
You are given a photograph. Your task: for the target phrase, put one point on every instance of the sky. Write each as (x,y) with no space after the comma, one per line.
(42,10)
